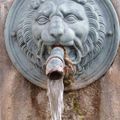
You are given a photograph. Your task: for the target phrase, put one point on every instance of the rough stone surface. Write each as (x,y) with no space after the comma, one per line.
(110,86)
(20,100)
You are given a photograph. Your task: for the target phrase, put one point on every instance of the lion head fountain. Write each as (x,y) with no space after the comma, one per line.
(59,44)
(79,27)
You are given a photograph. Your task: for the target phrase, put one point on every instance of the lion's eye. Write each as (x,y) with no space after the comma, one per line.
(71,18)
(42,20)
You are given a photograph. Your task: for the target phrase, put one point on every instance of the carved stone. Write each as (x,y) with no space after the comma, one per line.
(87,29)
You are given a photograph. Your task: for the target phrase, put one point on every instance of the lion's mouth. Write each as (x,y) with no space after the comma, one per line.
(71,52)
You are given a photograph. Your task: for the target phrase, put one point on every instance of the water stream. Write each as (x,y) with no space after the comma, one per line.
(55,95)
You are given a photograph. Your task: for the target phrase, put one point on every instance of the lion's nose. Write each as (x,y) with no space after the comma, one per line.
(56,27)
(56,32)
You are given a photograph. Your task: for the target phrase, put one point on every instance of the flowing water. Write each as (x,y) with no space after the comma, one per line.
(55,95)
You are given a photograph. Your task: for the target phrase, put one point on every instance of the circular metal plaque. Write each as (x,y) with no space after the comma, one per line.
(102,18)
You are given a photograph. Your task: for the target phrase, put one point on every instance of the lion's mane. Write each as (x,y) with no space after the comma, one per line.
(92,46)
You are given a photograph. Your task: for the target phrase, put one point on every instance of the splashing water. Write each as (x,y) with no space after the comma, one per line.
(55,95)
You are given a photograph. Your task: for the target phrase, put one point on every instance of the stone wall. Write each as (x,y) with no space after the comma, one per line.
(21,100)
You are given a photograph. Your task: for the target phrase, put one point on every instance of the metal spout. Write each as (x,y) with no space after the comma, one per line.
(55,64)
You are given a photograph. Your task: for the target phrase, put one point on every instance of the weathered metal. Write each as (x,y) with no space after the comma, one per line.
(80,27)
(55,64)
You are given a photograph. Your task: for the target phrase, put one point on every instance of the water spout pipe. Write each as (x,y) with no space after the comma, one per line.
(55,64)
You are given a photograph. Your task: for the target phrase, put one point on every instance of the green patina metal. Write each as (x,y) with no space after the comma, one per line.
(87,30)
